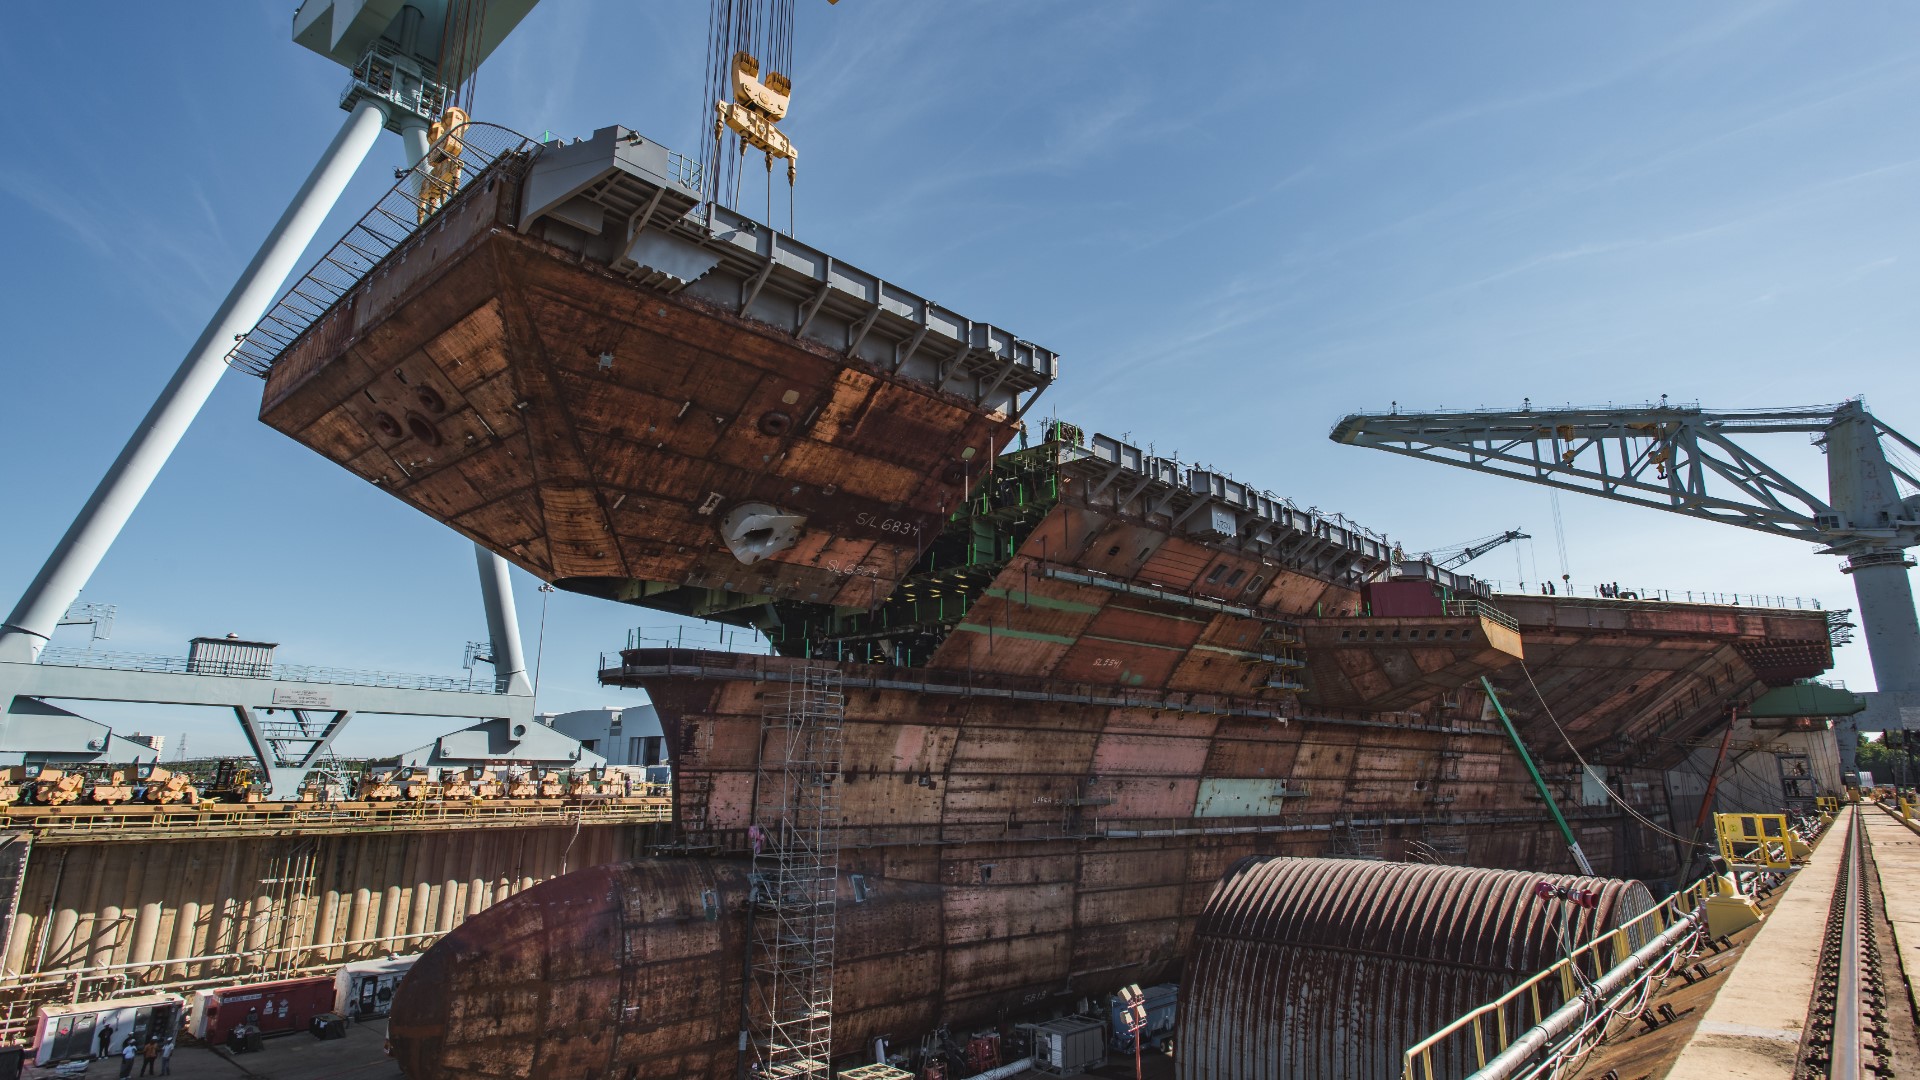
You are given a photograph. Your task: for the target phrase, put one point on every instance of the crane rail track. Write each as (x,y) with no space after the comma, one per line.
(1847,1032)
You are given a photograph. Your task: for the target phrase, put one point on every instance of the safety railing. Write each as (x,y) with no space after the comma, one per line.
(79,824)
(1759,840)
(452,164)
(1481,609)
(181,665)
(716,638)
(1627,592)
(685,170)
(1493,1027)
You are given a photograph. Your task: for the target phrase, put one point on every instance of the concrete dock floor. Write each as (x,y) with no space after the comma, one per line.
(359,1056)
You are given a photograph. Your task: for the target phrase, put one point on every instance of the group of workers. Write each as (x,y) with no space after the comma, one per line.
(154,1054)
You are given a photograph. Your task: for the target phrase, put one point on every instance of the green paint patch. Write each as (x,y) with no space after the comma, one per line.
(1017,596)
(1026,635)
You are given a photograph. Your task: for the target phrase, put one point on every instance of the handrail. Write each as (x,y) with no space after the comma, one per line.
(1482,609)
(81,823)
(405,210)
(1641,594)
(303,673)
(1582,965)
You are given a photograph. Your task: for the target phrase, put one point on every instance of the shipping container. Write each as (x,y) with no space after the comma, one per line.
(1402,599)
(270,1008)
(364,990)
(99,1028)
(1070,1046)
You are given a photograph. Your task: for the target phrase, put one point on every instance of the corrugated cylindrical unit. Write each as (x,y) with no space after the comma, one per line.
(1332,968)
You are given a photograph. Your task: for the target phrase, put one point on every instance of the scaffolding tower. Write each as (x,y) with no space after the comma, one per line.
(796,865)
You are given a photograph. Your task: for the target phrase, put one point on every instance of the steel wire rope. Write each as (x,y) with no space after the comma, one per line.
(1622,803)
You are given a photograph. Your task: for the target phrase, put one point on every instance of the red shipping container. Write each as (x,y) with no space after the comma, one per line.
(1402,599)
(274,1008)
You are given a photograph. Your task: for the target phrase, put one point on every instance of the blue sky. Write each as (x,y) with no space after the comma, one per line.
(1235,222)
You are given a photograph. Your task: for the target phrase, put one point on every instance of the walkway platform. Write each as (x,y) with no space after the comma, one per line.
(1896,853)
(1752,1030)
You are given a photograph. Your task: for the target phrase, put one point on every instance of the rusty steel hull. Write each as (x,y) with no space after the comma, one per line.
(1638,683)
(634,970)
(595,432)
(1044,850)
(1332,968)
(1081,680)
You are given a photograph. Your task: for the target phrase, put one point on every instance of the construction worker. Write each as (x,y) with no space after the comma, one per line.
(447,141)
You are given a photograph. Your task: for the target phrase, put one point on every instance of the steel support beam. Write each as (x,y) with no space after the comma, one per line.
(287,770)
(245,696)
(59,682)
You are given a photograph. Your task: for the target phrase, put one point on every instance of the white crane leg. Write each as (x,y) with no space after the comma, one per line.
(79,552)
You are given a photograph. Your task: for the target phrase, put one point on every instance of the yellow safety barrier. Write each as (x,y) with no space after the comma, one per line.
(1759,840)
(1495,1025)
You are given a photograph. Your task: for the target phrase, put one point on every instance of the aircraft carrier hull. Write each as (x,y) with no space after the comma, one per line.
(1013,853)
(1079,679)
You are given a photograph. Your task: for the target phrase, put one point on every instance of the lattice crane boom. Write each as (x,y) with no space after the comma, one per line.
(1679,458)
(1453,560)
(1693,461)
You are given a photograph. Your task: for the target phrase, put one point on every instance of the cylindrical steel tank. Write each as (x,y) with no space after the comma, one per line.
(1331,968)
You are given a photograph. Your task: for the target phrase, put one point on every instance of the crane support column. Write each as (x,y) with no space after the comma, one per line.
(503,623)
(1861,487)
(79,552)
(1887,615)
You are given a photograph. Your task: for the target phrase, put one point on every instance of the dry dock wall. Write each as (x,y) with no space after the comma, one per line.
(146,913)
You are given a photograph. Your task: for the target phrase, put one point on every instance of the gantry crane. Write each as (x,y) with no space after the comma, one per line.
(1687,460)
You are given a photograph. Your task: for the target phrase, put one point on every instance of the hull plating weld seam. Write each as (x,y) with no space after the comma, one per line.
(634,672)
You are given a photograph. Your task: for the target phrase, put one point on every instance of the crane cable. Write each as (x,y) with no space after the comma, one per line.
(462,37)
(760,28)
(1622,803)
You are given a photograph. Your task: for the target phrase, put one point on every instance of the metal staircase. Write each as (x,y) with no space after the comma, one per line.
(796,864)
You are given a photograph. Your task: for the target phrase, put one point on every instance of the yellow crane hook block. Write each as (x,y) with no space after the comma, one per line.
(1759,840)
(757,109)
